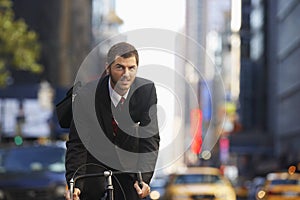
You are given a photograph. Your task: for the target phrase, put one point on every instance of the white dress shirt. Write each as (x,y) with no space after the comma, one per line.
(114,96)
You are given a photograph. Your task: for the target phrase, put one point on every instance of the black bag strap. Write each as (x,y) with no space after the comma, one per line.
(64,107)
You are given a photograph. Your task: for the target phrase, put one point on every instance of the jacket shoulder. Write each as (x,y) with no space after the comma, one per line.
(142,81)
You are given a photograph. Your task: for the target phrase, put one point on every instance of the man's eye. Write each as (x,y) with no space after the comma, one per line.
(132,68)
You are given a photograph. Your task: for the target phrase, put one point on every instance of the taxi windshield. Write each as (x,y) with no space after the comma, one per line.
(197,178)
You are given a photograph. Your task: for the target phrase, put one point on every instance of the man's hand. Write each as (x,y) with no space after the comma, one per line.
(144,191)
(76,194)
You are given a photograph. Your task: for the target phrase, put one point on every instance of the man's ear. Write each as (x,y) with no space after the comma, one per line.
(107,68)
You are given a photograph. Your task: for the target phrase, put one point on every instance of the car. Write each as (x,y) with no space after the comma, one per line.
(255,185)
(32,172)
(241,189)
(199,183)
(280,186)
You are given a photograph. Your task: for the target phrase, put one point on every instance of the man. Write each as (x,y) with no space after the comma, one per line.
(127,139)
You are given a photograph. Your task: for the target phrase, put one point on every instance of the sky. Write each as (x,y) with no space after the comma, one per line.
(167,14)
(161,14)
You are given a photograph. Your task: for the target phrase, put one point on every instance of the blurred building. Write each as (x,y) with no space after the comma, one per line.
(283,57)
(195,28)
(258,59)
(254,142)
(68,31)
(205,25)
(64,29)
(105,20)
(269,86)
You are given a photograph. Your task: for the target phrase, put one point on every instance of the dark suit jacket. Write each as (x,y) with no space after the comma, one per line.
(91,139)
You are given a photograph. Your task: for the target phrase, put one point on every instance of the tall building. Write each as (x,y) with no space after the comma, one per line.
(64,29)
(283,57)
(205,22)
(269,86)
(254,143)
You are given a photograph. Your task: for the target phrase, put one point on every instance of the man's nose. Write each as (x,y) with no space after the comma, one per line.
(126,72)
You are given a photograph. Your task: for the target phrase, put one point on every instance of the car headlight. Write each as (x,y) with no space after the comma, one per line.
(154,195)
(261,194)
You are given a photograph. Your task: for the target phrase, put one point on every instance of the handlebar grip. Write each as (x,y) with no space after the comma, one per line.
(71,188)
(140,179)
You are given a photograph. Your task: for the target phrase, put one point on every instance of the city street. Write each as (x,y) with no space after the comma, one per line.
(212,95)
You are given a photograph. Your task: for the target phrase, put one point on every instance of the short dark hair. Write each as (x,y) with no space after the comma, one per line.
(122,49)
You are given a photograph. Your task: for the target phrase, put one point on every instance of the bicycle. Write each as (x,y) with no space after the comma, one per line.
(108,177)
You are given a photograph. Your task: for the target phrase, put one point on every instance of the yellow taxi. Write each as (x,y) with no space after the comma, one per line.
(280,186)
(241,190)
(205,183)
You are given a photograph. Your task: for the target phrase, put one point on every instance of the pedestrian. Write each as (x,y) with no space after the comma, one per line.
(115,128)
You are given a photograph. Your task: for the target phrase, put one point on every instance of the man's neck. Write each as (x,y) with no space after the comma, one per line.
(120,92)
(114,95)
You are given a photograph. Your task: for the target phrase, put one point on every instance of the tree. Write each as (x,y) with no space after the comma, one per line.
(19,46)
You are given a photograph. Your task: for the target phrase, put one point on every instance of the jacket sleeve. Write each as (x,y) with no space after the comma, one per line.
(76,156)
(149,137)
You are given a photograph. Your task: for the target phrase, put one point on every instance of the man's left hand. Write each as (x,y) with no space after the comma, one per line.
(144,191)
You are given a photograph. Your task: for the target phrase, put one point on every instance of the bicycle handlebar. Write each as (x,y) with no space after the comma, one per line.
(107,174)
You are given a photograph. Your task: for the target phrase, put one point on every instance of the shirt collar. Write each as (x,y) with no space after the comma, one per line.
(114,96)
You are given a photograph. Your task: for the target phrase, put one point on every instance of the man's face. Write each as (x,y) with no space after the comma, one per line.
(122,72)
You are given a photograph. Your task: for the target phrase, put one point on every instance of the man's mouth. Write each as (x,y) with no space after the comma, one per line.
(124,81)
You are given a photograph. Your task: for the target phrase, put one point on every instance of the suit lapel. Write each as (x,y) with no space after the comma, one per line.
(103,107)
(130,97)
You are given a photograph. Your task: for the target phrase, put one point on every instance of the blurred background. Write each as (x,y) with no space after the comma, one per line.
(254,46)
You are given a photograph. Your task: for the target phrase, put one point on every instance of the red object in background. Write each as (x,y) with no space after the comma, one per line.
(224,149)
(196,130)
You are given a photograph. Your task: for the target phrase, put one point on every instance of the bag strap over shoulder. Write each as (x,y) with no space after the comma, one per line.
(64,107)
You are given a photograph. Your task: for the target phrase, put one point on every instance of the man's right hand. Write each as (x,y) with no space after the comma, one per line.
(76,194)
